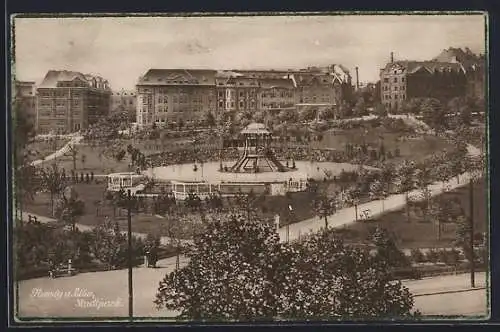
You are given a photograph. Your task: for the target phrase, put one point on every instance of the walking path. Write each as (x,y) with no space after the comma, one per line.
(59,153)
(342,217)
(372,209)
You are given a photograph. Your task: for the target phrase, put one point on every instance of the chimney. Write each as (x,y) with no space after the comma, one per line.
(357,78)
(392,57)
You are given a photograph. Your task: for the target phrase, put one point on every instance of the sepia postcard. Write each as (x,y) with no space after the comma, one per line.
(249,168)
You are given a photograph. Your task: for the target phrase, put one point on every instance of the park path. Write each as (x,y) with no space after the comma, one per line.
(164,240)
(342,217)
(59,153)
(372,209)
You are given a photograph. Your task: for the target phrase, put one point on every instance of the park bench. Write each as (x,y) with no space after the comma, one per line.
(62,270)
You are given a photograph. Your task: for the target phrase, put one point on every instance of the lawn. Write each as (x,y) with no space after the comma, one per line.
(418,233)
(93,163)
(414,148)
(91,193)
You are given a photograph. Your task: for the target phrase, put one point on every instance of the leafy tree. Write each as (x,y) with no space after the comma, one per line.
(70,208)
(120,155)
(54,180)
(380,110)
(110,246)
(27,183)
(324,207)
(360,107)
(307,114)
(238,270)
(377,191)
(387,251)
(210,119)
(434,114)
(228,274)
(73,151)
(406,177)
(387,176)
(329,280)
(462,236)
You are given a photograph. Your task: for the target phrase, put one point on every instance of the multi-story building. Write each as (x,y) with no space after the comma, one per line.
(277,93)
(236,92)
(445,77)
(24,93)
(174,96)
(473,65)
(68,101)
(181,95)
(123,100)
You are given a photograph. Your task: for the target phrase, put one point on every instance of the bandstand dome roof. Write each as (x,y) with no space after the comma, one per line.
(256,128)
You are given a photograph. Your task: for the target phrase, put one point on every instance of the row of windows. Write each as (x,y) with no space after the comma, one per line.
(388,97)
(395,79)
(274,94)
(387,88)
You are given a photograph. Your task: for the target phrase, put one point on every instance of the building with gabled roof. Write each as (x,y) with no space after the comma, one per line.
(68,101)
(402,80)
(453,73)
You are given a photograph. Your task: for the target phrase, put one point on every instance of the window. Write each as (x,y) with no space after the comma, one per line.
(386,80)
(395,96)
(402,79)
(395,88)
(395,79)
(241,104)
(221,104)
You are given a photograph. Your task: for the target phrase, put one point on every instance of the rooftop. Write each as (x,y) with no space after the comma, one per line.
(178,77)
(54,76)
(430,66)
(255,128)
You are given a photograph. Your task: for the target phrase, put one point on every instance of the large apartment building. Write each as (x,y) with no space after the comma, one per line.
(184,95)
(175,95)
(68,101)
(444,77)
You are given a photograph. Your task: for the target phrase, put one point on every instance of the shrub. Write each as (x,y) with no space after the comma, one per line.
(432,256)
(417,256)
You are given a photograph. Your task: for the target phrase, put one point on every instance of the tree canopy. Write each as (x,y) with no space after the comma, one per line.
(238,270)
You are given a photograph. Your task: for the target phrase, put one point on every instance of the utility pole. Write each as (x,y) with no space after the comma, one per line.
(471,243)
(130,285)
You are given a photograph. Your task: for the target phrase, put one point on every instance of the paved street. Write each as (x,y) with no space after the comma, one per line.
(112,286)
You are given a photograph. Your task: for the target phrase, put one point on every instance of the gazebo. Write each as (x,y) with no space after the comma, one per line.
(257,156)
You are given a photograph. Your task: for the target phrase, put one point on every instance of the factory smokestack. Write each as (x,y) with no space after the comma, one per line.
(357,78)
(392,57)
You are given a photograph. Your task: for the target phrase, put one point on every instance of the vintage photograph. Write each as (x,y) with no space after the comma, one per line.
(250,168)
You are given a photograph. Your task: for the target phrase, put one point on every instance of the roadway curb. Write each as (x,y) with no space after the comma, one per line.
(451,291)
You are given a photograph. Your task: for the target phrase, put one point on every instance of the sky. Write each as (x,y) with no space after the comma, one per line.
(121,49)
